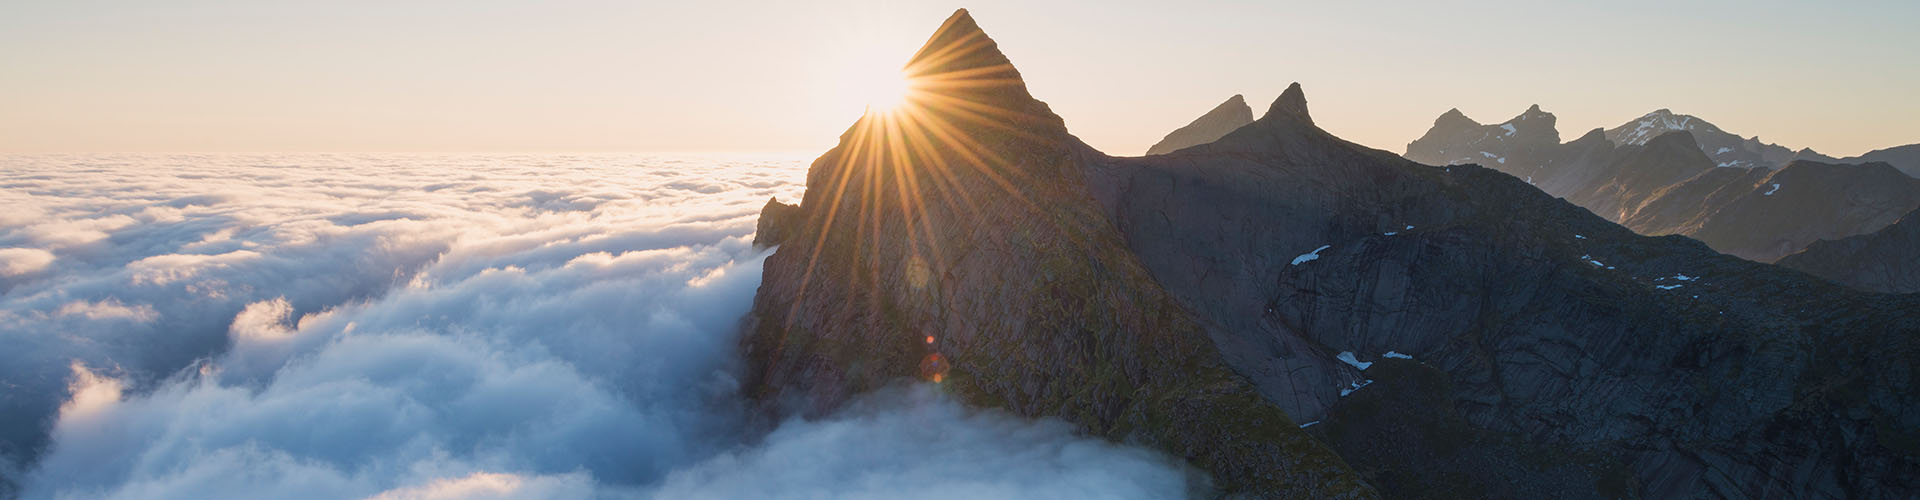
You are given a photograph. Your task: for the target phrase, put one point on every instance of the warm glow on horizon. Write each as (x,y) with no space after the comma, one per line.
(438,76)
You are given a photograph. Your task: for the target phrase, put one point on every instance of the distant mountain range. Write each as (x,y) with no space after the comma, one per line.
(1299,316)
(1667,173)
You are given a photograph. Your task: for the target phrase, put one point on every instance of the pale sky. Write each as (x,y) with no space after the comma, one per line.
(569,75)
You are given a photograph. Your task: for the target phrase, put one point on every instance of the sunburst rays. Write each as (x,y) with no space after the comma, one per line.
(902,165)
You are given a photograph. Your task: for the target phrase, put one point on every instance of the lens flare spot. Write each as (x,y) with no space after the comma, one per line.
(933,368)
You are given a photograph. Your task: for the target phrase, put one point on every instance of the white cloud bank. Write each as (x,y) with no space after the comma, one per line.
(415,327)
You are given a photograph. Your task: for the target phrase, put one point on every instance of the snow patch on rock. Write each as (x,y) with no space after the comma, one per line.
(1310,256)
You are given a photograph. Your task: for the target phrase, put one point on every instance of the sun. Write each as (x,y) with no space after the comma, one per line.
(885,92)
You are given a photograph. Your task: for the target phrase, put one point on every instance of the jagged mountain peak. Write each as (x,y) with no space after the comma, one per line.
(959,62)
(1287,128)
(1291,105)
(1533,121)
(1527,138)
(1222,119)
(1533,115)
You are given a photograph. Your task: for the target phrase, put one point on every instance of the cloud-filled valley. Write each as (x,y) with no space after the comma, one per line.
(438,326)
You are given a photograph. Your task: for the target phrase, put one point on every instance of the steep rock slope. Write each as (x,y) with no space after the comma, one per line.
(1762,215)
(1886,261)
(1222,119)
(1512,345)
(954,241)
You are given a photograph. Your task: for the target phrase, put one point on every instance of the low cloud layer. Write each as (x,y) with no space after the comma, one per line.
(343,326)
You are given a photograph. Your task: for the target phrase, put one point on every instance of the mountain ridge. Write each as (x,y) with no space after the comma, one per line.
(1668,190)
(1263,304)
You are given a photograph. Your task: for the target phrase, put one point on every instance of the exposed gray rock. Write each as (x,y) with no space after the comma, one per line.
(777,222)
(1209,127)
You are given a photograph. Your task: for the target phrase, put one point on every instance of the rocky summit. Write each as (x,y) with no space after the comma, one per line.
(1725,148)
(1227,117)
(1528,139)
(1299,316)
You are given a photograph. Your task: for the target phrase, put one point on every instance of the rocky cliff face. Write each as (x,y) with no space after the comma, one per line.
(1300,316)
(777,223)
(1886,261)
(1226,117)
(955,241)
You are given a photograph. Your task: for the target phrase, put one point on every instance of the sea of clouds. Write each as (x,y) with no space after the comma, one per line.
(444,326)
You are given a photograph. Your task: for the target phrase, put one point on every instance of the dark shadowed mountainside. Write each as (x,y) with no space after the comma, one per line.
(1300,316)
(1539,351)
(1224,118)
(1885,261)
